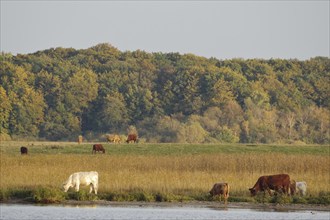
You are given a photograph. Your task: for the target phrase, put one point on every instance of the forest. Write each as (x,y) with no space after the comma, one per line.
(60,93)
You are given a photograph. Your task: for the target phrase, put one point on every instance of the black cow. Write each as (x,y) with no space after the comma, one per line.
(24,150)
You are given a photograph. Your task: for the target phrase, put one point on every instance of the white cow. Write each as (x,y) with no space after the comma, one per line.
(301,187)
(86,178)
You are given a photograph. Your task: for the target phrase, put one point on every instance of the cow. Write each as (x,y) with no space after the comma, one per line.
(220,189)
(80,139)
(113,138)
(24,150)
(279,182)
(98,147)
(301,188)
(90,179)
(132,137)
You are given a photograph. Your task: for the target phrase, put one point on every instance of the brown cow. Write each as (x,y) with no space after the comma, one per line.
(279,182)
(220,189)
(80,139)
(98,147)
(24,150)
(132,137)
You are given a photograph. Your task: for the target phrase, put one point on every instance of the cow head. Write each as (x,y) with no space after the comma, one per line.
(66,186)
(253,191)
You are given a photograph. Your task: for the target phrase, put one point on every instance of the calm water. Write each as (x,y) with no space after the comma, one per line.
(136,212)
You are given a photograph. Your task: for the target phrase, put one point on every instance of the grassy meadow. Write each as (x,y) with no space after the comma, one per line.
(160,172)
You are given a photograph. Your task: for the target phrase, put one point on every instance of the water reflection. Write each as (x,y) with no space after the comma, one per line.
(149,212)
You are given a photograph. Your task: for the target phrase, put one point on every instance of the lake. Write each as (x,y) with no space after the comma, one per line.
(58,212)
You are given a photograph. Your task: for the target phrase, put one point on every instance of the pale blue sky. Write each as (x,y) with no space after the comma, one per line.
(221,29)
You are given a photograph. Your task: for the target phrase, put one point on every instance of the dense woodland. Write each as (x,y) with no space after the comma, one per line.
(58,94)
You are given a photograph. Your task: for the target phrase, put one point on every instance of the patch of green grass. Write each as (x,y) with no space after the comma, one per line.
(323,198)
(48,195)
(299,200)
(160,164)
(45,195)
(281,199)
(165,149)
(82,196)
(9,194)
(240,199)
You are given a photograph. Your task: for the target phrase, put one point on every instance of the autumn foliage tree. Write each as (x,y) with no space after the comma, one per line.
(59,93)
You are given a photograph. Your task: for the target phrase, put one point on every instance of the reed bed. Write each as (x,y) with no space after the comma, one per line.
(183,174)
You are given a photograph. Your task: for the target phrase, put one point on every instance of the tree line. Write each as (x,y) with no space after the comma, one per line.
(60,93)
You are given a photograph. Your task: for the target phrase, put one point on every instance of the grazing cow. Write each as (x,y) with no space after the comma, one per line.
(131,137)
(24,150)
(220,189)
(113,138)
(279,182)
(98,147)
(85,178)
(301,188)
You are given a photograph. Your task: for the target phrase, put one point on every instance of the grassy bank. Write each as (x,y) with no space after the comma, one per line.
(161,172)
(12,148)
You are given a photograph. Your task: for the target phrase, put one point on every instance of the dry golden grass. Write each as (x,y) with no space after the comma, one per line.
(164,174)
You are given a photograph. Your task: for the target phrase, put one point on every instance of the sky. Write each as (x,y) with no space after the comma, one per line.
(221,29)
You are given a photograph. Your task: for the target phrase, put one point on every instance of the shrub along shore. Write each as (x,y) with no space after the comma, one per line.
(160,172)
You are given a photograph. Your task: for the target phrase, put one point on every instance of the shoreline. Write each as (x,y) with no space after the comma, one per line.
(190,204)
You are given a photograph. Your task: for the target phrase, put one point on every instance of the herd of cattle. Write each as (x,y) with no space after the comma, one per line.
(99,147)
(280,183)
(115,138)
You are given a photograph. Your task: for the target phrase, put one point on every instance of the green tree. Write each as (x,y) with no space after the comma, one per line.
(5,110)
(27,104)
(260,124)
(186,92)
(113,114)
(80,89)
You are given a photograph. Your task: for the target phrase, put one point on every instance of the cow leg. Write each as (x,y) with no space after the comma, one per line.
(226,197)
(91,188)
(95,189)
(77,187)
(269,192)
(286,189)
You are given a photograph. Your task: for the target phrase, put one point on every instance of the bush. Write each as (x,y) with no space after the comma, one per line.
(281,199)
(108,196)
(82,196)
(47,195)
(159,197)
(202,197)
(299,200)
(3,195)
(139,196)
(323,198)
(15,194)
(262,198)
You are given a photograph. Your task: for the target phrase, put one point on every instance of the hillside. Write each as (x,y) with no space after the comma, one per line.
(58,94)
